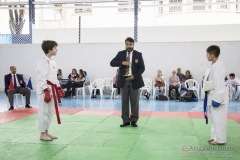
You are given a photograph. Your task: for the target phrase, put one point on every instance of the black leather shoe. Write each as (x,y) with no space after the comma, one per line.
(134,124)
(147,95)
(94,96)
(124,124)
(11,108)
(27,106)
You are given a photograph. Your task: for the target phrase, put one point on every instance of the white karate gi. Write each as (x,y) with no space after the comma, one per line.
(46,70)
(218,115)
(234,86)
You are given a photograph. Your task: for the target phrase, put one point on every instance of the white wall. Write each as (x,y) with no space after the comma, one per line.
(229,32)
(95,58)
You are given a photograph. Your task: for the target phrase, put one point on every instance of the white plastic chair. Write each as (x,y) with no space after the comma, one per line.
(97,84)
(82,89)
(192,84)
(147,86)
(16,96)
(157,88)
(107,83)
(113,91)
(201,92)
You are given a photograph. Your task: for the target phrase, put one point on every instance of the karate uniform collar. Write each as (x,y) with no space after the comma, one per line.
(46,57)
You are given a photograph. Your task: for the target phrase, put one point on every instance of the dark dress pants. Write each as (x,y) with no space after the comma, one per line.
(128,94)
(21,90)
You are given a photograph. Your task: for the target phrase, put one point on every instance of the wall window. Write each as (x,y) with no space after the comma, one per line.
(128,6)
(175,8)
(199,8)
(83,8)
(198,1)
(175,1)
(160,9)
(54,14)
(222,0)
(222,6)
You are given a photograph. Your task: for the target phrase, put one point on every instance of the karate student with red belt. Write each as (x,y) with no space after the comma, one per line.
(48,90)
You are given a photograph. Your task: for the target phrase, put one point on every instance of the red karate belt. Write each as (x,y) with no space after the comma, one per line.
(55,97)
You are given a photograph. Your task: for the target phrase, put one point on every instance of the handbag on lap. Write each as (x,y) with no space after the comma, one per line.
(159,84)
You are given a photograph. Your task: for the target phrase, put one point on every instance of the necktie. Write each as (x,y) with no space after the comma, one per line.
(127,67)
(15,81)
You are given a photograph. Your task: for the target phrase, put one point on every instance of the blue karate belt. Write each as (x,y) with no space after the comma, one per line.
(236,87)
(205,108)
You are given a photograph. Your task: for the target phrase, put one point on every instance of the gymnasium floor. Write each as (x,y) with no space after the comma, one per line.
(90,131)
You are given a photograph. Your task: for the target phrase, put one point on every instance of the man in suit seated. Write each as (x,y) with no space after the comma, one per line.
(19,87)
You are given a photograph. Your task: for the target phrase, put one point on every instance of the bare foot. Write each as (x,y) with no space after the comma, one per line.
(52,137)
(215,143)
(44,137)
(210,140)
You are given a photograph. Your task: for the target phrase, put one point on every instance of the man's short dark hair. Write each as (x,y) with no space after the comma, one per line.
(214,49)
(12,66)
(48,45)
(129,39)
(232,75)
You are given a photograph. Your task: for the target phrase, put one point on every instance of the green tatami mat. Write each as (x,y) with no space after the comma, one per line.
(91,137)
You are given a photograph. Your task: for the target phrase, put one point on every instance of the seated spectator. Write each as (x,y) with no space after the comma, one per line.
(19,86)
(234,84)
(72,76)
(160,83)
(70,85)
(188,75)
(173,84)
(81,79)
(180,75)
(115,84)
(78,83)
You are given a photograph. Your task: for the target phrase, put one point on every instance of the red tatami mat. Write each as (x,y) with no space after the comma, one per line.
(96,112)
(23,112)
(68,111)
(117,113)
(145,113)
(15,114)
(18,113)
(170,114)
(141,114)
(235,116)
(196,114)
